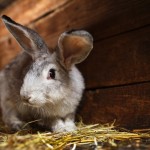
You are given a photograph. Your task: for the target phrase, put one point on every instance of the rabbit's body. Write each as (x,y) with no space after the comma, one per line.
(39,85)
(65,104)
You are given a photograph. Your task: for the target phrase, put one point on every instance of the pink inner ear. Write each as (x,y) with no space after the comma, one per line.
(75,46)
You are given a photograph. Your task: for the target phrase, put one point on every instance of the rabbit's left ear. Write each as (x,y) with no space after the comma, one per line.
(28,39)
(74,47)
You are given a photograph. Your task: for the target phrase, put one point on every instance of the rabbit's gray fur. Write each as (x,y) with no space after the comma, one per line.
(26,92)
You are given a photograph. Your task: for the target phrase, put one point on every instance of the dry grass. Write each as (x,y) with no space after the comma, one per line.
(86,134)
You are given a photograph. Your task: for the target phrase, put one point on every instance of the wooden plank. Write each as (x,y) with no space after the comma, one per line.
(27,11)
(5,3)
(128,105)
(107,62)
(103,18)
(119,60)
(8,50)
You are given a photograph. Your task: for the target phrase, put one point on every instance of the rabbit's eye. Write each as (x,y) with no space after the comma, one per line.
(51,74)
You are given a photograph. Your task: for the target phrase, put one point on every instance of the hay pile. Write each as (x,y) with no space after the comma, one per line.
(90,135)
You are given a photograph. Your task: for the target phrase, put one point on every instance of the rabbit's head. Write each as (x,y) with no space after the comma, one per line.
(53,75)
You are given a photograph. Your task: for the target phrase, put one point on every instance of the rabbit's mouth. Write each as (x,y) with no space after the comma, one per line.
(30,102)
(32,105)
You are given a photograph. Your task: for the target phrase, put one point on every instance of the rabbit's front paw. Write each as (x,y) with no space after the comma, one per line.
(58,126)
(16,125)
(61,126)
(70,126)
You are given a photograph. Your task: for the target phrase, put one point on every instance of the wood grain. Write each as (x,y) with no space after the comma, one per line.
(103,18)
(128,105)
(123,59)
(118,57)
(28,11)
(5,3)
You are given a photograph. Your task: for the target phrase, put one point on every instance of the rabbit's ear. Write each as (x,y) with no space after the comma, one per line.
(28,39)
(74,47)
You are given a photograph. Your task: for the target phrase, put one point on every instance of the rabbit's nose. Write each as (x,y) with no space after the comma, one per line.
(26,98)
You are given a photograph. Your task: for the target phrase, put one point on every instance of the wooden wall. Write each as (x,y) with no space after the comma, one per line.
(117,72)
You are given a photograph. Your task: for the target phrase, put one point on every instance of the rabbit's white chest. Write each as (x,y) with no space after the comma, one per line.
(60,109)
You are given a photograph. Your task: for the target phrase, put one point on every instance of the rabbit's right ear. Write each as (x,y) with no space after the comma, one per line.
(28,39)
(74,47)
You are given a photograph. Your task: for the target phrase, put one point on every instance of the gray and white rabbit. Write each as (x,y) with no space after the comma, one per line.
(41,83)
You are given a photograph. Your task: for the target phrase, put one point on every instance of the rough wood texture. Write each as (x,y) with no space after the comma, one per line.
(109,56)
(103,18)
(28,11)
(129,105)
(5,3)
(119,60)
(123,59)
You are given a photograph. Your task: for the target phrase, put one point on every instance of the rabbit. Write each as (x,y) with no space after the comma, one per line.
(42,83)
